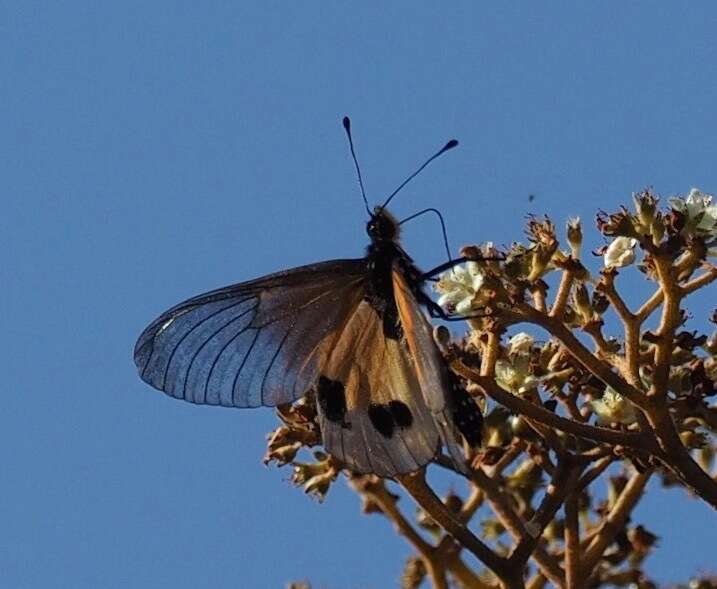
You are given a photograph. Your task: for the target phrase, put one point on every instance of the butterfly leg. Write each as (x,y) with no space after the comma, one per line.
(437,312)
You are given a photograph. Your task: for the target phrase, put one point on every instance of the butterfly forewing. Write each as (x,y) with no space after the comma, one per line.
(255,343)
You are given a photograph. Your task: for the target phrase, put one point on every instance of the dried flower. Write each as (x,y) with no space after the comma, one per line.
(620,224)
(459,288)
(613,408)
(621,252)
(316,477)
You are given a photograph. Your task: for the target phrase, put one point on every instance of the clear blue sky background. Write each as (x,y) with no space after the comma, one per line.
(151,151)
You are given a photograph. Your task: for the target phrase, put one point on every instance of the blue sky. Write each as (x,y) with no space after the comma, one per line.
(151,151)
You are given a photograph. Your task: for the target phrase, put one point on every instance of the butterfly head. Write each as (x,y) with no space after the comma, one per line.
(382,226)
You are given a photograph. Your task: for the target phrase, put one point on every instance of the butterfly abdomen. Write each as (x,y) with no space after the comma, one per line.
(466,414)
(379,287)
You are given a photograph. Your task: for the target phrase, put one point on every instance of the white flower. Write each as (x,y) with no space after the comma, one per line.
(520,343)
(621,252)
(514,376)
(613,408)
(459,287)
(700,214)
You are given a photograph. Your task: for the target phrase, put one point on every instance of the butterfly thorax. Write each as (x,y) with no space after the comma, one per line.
(383,256)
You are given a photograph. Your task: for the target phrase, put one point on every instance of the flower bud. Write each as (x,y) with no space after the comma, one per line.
(581,300)
(646,206)
(575,236)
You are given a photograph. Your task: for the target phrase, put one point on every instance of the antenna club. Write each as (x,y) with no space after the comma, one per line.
(450,145)
(347,123)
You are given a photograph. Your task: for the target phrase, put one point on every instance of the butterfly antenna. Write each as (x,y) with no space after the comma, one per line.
(443,226)
(347,128)
(450,145)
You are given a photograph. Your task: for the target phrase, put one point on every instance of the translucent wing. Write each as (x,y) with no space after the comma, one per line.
(431,372)
(372,413)
(255,343)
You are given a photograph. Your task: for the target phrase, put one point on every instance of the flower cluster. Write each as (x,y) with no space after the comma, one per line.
(459,288)
(699,214)
(613,408)
(513,372)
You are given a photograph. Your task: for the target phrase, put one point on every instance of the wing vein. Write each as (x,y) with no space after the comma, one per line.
(238,372)
(273,359)
(189,331)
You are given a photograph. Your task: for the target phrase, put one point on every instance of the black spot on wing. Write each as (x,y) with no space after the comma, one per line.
(386,418)
(381,419)
(332,400)
(401,414)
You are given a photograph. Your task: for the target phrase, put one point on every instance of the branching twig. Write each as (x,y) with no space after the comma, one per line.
(636,440)
(415,485)
(563,481)
(616,519)
(572,542)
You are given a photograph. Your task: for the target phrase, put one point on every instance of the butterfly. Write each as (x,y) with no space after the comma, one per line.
(352,331)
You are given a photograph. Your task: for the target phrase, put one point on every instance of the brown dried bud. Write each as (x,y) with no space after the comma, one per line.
(414,572)
(453,502)
(620,224)
(641,539)
(689,340)
(600,302)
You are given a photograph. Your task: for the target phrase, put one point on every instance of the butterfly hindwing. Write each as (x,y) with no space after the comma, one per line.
(256,343)
(372,414)
(430,368)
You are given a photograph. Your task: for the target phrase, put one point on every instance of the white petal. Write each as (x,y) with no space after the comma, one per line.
(620,252)
(464,306)
(520,343)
